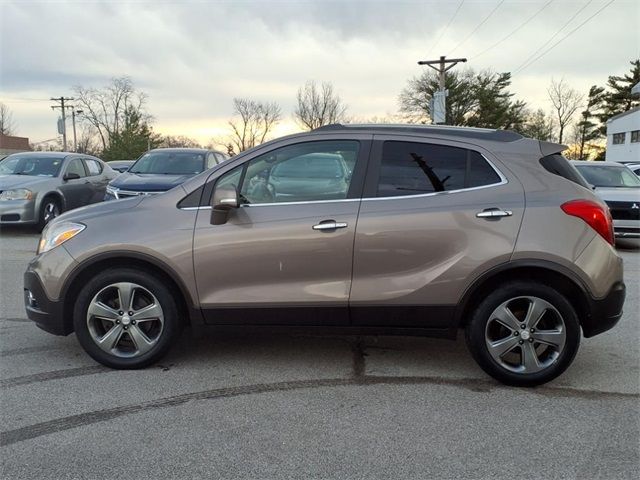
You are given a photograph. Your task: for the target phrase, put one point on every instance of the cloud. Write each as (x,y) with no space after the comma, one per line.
(192,58)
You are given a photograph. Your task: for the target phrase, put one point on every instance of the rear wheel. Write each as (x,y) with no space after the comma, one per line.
(49,210)
(524,334)
(126,319)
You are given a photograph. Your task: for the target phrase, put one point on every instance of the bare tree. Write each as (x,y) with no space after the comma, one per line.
(566,101)
(254,120)
(105,108)
(87,140)
(179,141)
(318,106)
(7,124)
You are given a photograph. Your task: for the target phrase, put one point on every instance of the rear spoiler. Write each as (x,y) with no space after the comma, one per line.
(548,148)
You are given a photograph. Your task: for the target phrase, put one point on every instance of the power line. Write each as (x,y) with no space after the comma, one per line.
(563,38)
(448,25)
(478,27)
(554,35)
(514,31)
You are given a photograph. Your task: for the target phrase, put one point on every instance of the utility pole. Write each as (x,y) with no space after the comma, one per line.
(61,106)
(439,102)
(75,112)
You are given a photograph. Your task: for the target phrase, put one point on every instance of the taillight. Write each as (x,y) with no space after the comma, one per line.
(594,214)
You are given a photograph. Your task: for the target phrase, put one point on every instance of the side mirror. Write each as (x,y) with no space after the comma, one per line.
(224,200)
(71,176)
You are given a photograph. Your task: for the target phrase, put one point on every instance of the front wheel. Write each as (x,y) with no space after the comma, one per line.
(49,210)
(524,334)
(126,318)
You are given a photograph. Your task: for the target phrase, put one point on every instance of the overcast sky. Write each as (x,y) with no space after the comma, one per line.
(193,57)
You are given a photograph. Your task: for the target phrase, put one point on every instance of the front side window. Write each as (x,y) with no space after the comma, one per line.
(635,136)
(297,173)
(618,138)
(409,168)
(75,166)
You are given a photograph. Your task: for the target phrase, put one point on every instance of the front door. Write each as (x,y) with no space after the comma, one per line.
(285,255)
(435,214)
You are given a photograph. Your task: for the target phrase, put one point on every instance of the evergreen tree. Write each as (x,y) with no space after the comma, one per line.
(475,99)
(617,98)
(587,129)
(132,140)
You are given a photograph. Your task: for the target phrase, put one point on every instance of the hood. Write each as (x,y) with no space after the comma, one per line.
(99,209)
(148,182)
(21,181)
(621,194)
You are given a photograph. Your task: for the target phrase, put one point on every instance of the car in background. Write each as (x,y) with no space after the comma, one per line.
(121,166)
(36,187)
(162,169)
(619,187)
(634,167)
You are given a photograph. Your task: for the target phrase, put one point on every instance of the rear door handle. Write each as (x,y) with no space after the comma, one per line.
(329,225)
(494,213)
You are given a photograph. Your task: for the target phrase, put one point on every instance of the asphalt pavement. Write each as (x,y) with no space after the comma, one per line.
(258,405)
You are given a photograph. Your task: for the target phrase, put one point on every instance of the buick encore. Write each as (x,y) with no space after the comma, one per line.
(363,229)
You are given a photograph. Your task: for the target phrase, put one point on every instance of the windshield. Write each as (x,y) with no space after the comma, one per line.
(30,165)
(169,163)
(609,176)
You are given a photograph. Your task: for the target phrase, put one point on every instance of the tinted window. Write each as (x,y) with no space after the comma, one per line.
(93,166)
(170,163)
(559,165)
(76,166)
(304,172)
(415,168)
(30,165)
(211,160)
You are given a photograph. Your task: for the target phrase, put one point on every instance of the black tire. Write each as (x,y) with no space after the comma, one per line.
(169,331)
(476,333)
(49,205)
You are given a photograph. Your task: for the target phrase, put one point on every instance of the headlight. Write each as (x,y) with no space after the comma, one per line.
(58,233)
(17,194)
(112,191)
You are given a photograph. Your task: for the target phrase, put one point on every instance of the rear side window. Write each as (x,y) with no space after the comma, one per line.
(409,168)
(94,167)
(559,165)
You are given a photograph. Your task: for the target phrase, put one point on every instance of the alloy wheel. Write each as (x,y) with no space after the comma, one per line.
(51,211)
(125,319)
(525,334)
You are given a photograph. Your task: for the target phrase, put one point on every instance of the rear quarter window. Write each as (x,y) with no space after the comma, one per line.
(558,165)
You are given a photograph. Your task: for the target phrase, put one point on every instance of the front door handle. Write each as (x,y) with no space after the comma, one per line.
(329,225)
(494,213)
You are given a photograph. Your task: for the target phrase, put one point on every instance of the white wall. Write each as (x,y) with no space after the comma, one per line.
(627,151)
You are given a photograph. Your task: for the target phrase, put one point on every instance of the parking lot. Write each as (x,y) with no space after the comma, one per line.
(258,405)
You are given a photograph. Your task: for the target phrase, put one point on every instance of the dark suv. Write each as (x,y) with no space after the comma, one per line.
(408,230)
(160,170)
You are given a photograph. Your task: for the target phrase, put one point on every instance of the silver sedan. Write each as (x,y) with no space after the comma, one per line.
(36,187)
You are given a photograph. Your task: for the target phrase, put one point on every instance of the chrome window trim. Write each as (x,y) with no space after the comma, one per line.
(503,181)
(252,205)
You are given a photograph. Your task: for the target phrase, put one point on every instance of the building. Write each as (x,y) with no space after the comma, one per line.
(623,135)
(10,144)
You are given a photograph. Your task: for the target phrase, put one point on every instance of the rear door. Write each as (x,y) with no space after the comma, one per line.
(285,255)
(98,179)
(435,215)
(78,191)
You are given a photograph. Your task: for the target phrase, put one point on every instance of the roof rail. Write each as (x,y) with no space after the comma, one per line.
(444,130)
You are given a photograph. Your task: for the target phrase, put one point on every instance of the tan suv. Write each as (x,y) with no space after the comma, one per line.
(407,230)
